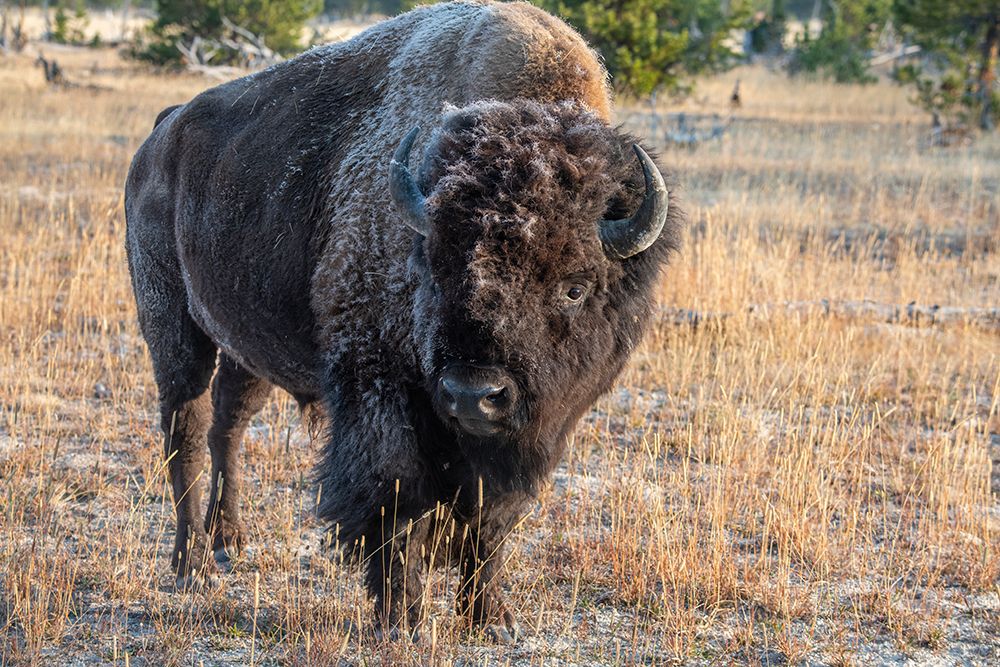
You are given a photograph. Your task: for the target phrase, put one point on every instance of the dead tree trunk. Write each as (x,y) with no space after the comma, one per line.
(987,72)
(126,10)
(3,27)
(47,32)
(53,73)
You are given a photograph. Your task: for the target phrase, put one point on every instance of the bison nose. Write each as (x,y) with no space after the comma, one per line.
(474,400)
(476,397)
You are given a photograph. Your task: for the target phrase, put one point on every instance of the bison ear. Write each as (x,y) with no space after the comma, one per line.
(403,188)
(629,236)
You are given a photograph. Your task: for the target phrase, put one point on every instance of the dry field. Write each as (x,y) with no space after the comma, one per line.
(795,487)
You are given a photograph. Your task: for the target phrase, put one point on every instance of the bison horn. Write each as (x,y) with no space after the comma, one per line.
(630,236)
(405,192)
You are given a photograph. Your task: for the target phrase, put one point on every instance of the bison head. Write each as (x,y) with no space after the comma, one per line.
(537,245)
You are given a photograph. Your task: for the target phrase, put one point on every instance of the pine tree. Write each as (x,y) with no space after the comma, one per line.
(652,44)
(768,33)
(279,22)
(850,29)
(962,38)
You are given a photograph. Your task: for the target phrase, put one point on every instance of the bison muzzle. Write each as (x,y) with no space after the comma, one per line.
(433,233)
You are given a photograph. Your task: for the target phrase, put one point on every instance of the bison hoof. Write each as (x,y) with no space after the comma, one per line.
(196,582)
(226,536)
(500,634)
(394,634)
(223,560)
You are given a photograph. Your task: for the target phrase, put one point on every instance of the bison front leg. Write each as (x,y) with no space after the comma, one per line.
(481,560)
(372,480)
(394,576)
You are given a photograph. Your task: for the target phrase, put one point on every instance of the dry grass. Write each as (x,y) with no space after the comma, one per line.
(782,490)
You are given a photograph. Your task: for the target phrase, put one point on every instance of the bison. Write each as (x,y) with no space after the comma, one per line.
(432,231)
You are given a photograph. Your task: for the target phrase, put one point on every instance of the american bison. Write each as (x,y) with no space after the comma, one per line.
(453,321)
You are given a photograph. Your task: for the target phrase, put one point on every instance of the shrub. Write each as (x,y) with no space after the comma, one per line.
(278,22)
(841,50)
(961,40)
(653,44)
(70,29)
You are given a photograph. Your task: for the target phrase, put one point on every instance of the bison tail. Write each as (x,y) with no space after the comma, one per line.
(313,417)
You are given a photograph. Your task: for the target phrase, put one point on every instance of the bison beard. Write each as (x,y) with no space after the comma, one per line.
(454,322)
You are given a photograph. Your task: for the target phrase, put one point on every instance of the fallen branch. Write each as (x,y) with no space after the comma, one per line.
(55,77)
(218,72)
(252,50)
(243,48)
(901,52)
(944,135)
(53,73)
(681,129)
(198,53)
(689,135)
(878,243)
(912,314)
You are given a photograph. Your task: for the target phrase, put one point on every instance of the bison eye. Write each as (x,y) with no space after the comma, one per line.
(573,290)
(574,294)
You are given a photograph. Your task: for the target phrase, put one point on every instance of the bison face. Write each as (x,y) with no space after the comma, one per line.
(537,248)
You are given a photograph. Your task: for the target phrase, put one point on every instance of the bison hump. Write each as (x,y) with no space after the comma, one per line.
(526,52)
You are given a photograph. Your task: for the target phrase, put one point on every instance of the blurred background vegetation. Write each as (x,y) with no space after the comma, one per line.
(944,50)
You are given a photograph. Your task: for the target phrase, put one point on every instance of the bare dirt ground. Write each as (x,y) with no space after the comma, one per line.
(802,488)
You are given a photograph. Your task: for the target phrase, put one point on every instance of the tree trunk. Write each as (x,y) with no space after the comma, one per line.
(3,26)
(987,72)
(126,10)
(47,33)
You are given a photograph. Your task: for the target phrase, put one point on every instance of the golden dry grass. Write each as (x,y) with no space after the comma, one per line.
(766,491)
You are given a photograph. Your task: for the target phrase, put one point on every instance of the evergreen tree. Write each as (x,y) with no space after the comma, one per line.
(652,44)
(279,22)
(70,28)
(962,38)
(768,33)
(850,29)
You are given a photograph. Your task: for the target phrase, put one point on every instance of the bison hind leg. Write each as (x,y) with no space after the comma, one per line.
(237,395)
(183,360)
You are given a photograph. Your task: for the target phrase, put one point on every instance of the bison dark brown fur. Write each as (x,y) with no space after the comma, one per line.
(452,364)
